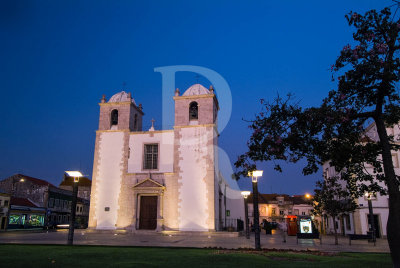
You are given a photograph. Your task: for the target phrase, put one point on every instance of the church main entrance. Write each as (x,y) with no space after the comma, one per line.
(148,213)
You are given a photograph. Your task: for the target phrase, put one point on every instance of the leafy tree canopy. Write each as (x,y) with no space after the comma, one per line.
(367,75)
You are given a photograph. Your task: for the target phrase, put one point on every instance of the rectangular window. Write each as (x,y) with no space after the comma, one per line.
(281,212)
(395,160)
(6,203)
(348,225)
(51,202)
(150,160)
(273,212)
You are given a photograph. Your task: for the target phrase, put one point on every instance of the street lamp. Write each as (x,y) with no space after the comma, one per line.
(245,194)
(254,178)
(76,175)
(369,195)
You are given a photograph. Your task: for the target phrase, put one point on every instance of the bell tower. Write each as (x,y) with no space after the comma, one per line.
(195,149)
(120,113)
(197,106)
(118,118)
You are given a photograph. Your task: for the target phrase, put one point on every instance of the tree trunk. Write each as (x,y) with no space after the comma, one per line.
(393,224)
(334,228)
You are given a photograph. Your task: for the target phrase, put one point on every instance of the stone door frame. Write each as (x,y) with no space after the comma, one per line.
(148,187)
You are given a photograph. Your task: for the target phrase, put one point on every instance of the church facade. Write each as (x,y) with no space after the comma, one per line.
(159,179)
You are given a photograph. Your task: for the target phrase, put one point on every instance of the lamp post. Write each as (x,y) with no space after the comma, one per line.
(76,175)
(254,178)
(371,215)
(245,194)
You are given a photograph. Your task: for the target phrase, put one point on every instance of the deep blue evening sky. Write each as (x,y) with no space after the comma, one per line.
(59,57)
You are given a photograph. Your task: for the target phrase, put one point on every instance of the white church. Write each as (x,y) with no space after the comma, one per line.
(161,179)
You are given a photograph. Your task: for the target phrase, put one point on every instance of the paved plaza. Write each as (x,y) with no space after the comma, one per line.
(191,239)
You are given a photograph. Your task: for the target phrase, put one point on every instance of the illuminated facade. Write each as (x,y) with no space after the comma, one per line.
(358,222)
(159,179)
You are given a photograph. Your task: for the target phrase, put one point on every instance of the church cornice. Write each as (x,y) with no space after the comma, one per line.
(123,103)
(114,130)
(150,132)
(115,103)
(195,97)
(146,173)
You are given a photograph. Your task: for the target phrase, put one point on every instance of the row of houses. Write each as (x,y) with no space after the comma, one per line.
(27,202)
(276,207)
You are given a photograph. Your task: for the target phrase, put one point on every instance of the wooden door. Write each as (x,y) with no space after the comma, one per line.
(148,213)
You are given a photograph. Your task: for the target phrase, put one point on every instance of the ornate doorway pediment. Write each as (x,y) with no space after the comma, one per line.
(149,184)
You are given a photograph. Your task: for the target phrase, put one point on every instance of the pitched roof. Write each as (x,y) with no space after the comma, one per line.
(34,180)
(299,199)
(17,201)
(265,198)
(83,181)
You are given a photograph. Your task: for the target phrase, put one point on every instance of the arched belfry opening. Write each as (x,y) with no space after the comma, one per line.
(193,111)
(114,117)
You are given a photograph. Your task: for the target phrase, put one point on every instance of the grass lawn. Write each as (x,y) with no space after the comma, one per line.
(99,257)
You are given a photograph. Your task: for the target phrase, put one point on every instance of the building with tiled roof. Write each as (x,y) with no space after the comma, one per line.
(276,207)
(29,192)
(84,186)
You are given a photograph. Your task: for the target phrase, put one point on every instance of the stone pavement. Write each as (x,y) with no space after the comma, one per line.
(191,239)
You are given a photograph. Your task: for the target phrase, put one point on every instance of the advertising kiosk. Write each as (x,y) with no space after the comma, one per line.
(291,222)
(305,229)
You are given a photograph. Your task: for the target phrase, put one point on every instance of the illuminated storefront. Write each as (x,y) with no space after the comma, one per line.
(25,215)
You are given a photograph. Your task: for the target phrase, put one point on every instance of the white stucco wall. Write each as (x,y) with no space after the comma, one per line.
(109,177)
(235,204)
(165,140)
(193,154)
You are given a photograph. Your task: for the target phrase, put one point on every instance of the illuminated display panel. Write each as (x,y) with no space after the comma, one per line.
(305,226)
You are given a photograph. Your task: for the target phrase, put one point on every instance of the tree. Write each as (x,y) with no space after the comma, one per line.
(333,199)
(367,74)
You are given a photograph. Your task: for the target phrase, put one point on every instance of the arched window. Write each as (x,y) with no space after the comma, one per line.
(193,111)
(114,117)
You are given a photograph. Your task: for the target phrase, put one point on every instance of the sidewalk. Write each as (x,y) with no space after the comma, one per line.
(195,240)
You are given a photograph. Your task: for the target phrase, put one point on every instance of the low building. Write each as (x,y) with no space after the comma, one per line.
(55,201)
(276,207)
(24,214)
(84,186)
(4,209)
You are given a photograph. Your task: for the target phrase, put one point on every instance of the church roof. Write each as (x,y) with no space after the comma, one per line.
(196,89)
(121,97)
